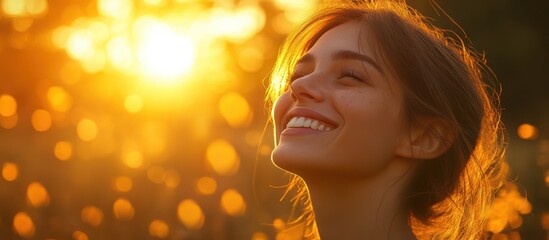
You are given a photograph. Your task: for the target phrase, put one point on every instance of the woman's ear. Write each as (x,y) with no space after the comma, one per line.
(427,139)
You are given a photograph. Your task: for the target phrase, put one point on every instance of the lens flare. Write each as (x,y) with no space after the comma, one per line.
(163,54)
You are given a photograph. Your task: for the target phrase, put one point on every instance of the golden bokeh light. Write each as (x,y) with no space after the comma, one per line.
(156,174)
(37,195)
(190,214)
(23,225)
(260,236)
(122,184)
(8,105)
(9,122)
(10,171)
(206,185)
(80,45)
(63,150)
(86,129)
(279,224)
(171,179)
(41,120)
(235,109)
(222,157)
(545,220)
(14,7)
(133,103)
(24,8)
(123,209)
(547,178)
(70,72)
(159,229)
(118,9)
(527,131)
(120,53)
(232,203)
(250,59)
(92,215)
(59,99)
(79,235)
(22,24)
(163,54)
(133,159)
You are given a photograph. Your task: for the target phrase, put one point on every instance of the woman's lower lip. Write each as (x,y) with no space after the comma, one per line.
(299,131)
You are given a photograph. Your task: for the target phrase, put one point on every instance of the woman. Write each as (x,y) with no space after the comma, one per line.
(388,124)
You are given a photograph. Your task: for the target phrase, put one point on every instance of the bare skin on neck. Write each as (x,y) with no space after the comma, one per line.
(368,208)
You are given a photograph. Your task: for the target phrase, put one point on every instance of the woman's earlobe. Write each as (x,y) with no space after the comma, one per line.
(427,140)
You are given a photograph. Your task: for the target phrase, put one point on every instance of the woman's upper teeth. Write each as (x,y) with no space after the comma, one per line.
(304,122)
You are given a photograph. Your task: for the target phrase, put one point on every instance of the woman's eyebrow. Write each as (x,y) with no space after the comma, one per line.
(346,54)
(343,55)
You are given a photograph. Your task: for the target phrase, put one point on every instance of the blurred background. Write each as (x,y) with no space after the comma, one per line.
(144,119)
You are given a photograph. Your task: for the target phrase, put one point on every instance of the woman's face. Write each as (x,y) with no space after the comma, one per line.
(342,114)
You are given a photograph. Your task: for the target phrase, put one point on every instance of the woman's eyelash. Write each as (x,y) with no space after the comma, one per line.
(351,73)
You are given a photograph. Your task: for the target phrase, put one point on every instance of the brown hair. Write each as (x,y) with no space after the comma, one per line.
(449,197)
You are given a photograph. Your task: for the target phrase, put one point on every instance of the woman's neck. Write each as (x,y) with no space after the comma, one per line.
(358,209)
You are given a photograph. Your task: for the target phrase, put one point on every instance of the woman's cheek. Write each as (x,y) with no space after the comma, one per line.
(281,106)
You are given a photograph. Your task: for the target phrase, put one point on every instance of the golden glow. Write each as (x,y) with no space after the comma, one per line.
(235,109)
(37,195)
(70,73)
(120,53)
(59,99)
(9,122)
(80,45)
(22,24)
(123,209)
(279,224)
(250,59)
(222,157)
(190,214)
(506,209)
(260,236)
(86,129)
(133,103)
(79,235)
(154,3)
(36,7)
(159,229)
(63,150)
(41,120)
(14,7)
(8,105)
(171,179)
(547,178)
(9,171)
(92,215)
(23,225)
(123,184)
(163,54)
(545,220)
(133,159)
(118,9)
(206,185)
(527,131)
(156,174)
(265,150)
(233,203)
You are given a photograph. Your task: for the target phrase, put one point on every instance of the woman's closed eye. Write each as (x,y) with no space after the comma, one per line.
(353,74)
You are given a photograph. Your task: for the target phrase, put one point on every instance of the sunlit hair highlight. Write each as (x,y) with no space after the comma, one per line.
(449,197)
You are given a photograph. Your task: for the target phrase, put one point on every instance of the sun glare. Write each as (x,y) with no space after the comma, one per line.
(163,54)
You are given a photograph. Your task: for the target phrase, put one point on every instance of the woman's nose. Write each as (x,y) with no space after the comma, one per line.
(307,88)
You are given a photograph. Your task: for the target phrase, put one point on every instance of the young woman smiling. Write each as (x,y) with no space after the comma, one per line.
(387,124)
